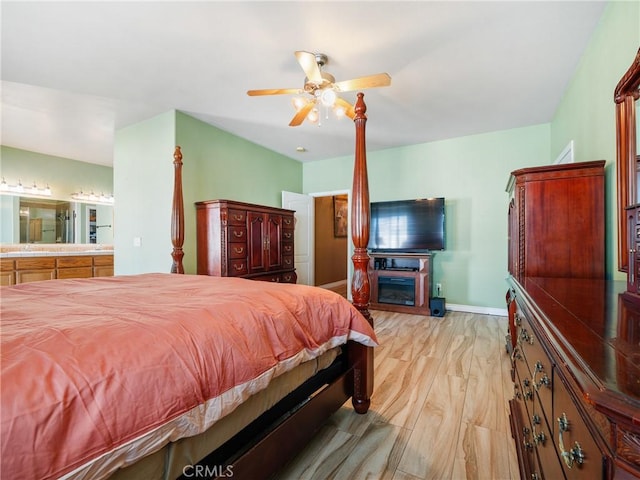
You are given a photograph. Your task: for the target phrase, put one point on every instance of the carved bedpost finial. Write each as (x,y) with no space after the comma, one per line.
(360,215)
(177,214)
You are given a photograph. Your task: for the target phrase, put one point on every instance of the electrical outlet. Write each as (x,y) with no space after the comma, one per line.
(438,289)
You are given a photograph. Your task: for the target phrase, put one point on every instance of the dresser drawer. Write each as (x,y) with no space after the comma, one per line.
(35,263)
(539,365)
(6,265)
(103,260)
(74,262)
(287,235)
(237,217)
(579,455)
(274,278)
(237,250)
(289,277)
(75,272)
(287,261)
(237,234)
(542,436)
(238,268)
(288,222)
(287,248)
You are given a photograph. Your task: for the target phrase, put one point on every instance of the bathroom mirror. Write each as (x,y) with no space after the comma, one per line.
(48,221)
(626,97)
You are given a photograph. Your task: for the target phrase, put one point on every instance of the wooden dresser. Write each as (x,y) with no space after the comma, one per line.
(575,412)
(244,240)
(574,337)
(556,221)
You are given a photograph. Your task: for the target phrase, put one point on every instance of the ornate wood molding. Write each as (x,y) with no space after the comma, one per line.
(625,95)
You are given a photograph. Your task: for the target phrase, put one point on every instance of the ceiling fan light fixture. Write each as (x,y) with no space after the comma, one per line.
(313,116)
(299,102)
(328,97)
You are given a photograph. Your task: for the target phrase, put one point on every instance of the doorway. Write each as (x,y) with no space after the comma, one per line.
(305,235)
(331,242)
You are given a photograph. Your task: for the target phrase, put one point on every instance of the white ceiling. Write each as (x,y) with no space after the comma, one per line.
(75,72)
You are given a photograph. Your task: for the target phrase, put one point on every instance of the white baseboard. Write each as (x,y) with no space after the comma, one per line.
(501,312)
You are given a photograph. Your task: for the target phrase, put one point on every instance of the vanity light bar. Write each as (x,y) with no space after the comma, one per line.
(20,189)
(92,197)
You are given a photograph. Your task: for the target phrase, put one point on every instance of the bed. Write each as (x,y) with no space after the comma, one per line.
(163,375)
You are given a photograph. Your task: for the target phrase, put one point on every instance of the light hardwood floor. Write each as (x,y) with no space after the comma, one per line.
(439,408)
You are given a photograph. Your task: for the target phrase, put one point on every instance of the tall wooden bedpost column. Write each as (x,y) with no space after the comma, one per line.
(360,216)
(360,287)
(177,214)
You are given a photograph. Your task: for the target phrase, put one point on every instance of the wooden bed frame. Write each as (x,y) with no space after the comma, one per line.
(268,443)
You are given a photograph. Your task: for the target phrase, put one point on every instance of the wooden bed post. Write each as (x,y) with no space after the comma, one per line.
(177,214)
(360,216)
(360,287)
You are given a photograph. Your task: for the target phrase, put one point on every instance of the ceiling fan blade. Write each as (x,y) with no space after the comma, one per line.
(371,81)
(348,108)
(273,91)
(299,117)
(307,61)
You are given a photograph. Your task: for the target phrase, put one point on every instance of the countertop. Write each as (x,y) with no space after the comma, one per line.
(51,253)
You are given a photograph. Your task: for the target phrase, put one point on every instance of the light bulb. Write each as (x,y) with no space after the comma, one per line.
(313,115)
(328,97)
(298,102)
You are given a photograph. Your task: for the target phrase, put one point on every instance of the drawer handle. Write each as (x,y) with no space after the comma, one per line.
(238,234)
(524,335)
(238,217)
(544,380)
(238,249)
(538,438)
(575,455)
(518,319)
(287,221)
(239,268)
(287,235)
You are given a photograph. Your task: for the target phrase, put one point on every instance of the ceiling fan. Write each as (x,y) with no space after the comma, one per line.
(323,88)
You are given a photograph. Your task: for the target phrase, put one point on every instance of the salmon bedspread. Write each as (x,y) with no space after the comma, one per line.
(115,368)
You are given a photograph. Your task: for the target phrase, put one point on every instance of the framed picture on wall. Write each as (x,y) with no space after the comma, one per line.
(340,216)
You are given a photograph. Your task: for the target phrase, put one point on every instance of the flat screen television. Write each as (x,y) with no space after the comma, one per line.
(410,226)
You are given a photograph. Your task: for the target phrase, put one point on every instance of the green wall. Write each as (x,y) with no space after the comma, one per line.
(64,176)
(586,114)
(471,173)
(217,164)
